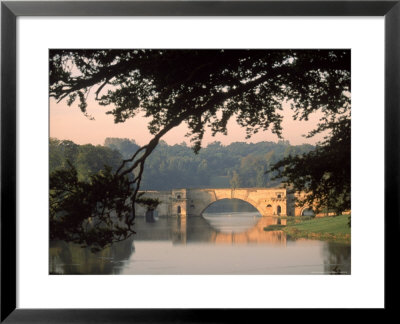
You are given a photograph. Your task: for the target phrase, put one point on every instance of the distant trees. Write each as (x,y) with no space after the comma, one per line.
(234,182)
(206,88)
(241,164)
(87,159)
(60,152)
(124,146)
(175,166)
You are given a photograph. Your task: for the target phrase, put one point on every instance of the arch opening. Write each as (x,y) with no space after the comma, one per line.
(278,210)
(231,215)
(179,210)
(307,212)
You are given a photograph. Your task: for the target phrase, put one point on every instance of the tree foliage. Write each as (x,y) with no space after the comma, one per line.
(89,205)
(90,213)
(87,159)
(175,166)
(202,88)
(323,174)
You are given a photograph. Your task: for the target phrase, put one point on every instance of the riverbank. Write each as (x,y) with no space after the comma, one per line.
(333,228)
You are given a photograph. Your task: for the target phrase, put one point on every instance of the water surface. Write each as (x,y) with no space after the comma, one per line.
(217,243)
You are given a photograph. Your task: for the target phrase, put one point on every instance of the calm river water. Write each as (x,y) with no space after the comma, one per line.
(217,243)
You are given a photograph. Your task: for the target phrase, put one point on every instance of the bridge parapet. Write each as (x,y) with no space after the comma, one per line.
(265,200)
(193,202)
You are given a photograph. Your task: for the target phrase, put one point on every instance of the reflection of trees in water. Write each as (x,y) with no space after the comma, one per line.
(72,259)
(198,230)
(337,258)
(68,258)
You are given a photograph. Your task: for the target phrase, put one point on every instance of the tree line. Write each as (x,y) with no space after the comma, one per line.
(237,165)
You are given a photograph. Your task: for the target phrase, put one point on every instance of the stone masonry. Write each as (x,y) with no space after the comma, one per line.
(193,202)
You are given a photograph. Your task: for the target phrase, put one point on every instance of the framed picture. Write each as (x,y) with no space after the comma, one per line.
(36,280)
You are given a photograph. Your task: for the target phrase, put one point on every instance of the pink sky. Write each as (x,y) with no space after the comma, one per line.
(69,123)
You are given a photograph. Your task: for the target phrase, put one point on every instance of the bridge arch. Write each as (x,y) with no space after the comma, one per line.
(194,201)
(249,201)
(307,211)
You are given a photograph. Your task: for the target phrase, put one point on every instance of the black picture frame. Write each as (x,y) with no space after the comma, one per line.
(10,10)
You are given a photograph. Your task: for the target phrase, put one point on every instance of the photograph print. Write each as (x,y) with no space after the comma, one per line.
(200,161)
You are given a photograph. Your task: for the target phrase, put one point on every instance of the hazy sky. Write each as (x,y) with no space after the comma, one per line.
(69,123)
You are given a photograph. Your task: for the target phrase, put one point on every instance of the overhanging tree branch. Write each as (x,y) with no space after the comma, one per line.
(193,86)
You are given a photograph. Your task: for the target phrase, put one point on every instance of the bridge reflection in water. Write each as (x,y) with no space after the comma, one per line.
(180,245)
(186,230)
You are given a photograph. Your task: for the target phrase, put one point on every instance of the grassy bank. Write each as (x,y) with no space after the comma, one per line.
(326,228)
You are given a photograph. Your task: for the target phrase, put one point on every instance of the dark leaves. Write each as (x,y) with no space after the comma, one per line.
(179,85)
(324,175)
(95,212)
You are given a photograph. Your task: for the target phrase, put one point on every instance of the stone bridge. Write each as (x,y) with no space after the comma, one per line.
(193,202)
